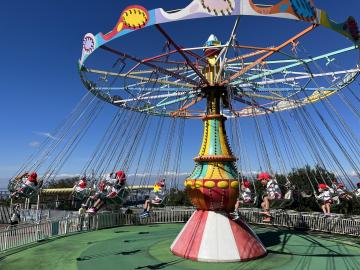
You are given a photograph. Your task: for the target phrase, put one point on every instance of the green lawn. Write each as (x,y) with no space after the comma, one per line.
(147,247)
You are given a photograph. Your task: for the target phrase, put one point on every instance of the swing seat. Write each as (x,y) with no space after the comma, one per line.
(120,197)
(305,195)
(158,198)
(284,202)
(25,191)
(81,195)
(335,200)
(252,202)
(157,201)
(343,196)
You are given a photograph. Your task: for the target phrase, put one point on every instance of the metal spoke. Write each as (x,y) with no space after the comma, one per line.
(183,55)
(295,64)
(158,96)
(155,67)
(261,59)
(143,79)
(225,50)
(293,79)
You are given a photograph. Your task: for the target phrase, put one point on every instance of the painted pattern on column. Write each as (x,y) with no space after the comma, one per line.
(213,184)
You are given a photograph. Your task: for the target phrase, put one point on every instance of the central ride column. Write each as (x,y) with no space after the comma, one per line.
(210,234)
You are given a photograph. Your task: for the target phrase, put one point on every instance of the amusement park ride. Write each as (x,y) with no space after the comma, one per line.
(216,82)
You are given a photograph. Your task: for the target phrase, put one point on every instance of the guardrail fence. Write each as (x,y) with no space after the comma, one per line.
(337,224)
(4,214)
(15,237)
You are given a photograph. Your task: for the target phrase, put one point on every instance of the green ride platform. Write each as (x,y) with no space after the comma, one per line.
(148,247)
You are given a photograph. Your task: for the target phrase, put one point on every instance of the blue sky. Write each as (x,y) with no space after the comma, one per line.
(41,44)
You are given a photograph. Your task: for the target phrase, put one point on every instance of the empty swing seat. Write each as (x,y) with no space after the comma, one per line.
(158,198)
(286,201)
(254,200)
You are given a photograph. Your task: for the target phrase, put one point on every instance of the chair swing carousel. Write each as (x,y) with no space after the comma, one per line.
(214,82)
(219,81)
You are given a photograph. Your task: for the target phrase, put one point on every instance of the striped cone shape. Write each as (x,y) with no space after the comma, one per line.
(211,236)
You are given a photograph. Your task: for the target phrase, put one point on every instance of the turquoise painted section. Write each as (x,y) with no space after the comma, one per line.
(196,172)
(303,8)
(230,170)
(278,70)
(201,169)
(211,137)
(168,103)
(217,144)
(204,171)
(283,8)
(214,145)
(199,172)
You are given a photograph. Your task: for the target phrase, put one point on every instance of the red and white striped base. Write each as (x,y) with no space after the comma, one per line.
(211,236)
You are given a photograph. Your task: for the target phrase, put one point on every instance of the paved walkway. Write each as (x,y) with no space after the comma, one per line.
(147,247)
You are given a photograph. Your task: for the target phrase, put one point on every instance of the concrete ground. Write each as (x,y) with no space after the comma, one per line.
(147,247)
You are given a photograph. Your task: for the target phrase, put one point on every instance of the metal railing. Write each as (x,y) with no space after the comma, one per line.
(15,237)
(21,236)
(337,224)
(4,194)
(4,214)
(33,215)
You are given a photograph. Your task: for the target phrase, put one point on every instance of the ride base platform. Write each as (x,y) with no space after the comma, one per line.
(147,247)
(212,236)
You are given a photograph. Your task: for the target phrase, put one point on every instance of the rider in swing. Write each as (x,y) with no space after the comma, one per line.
(272,192)
(245,197)
(340,190)
(114,186)
(159,189)
(325,197)
(81,185)
(28,183)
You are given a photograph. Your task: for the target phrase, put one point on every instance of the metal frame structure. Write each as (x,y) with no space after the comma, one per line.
(258,80)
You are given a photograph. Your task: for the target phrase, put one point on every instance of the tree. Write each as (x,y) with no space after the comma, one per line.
(178,197)
(62,183)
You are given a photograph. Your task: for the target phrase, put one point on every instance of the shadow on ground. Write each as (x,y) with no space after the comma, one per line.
(160,265)
(100,255)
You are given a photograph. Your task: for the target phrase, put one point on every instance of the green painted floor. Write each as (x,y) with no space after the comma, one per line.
(147,247)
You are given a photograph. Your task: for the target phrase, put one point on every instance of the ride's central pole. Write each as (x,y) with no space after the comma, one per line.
(210,235)
(213,184)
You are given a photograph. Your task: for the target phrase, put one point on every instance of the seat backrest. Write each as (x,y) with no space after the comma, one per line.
(288,195)
(282,203)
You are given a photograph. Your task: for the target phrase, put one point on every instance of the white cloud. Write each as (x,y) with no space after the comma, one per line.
(46,134)
(156,174)
(139,174)
(353,173)
(66,175)
(249,173)
(177,174)
(34,144)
